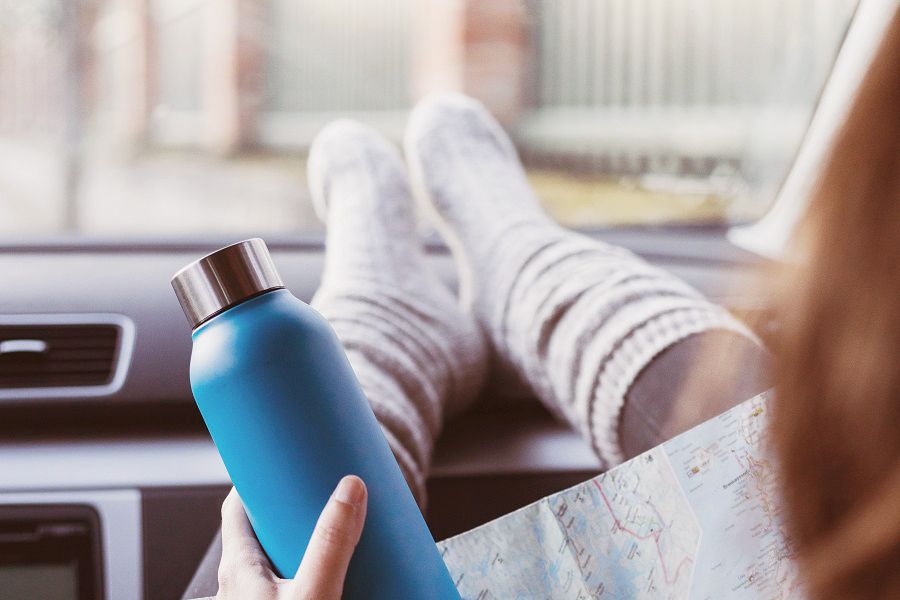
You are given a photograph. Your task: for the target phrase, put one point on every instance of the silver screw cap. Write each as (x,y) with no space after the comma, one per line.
(225,278)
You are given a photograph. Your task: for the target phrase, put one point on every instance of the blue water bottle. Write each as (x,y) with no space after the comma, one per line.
(289,419)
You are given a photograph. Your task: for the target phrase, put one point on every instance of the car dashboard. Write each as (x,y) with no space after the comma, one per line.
(109,448)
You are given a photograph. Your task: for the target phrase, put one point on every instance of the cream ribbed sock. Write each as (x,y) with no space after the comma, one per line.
(417,355)
(574,317)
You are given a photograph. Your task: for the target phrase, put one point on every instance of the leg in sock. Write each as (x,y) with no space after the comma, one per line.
(419,358)
(656,407)
(577,319)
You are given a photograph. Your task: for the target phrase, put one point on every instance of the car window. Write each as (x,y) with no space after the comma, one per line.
(185,117)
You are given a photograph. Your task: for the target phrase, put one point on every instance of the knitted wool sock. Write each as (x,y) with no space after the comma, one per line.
(575,318)
(417,355)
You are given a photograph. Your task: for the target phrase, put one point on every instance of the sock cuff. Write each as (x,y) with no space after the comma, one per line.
(634,353)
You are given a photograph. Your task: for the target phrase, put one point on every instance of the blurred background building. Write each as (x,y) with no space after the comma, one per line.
(138,116)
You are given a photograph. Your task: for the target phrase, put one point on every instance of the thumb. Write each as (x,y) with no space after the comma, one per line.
(324,566)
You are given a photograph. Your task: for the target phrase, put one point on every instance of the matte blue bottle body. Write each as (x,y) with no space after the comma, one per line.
(289,419)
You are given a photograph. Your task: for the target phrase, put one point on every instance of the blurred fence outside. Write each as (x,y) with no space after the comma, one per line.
(684,85)
(688,53)
(672,81)
(681,87)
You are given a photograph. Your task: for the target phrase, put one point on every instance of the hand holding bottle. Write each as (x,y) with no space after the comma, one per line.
(289,419)
(245,571)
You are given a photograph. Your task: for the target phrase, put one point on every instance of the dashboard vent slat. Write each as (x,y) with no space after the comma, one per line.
(74,355)
(64,354)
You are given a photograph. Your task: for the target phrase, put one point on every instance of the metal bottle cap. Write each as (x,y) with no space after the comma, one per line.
(224,278)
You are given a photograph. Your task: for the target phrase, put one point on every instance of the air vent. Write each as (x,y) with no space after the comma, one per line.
(63,354)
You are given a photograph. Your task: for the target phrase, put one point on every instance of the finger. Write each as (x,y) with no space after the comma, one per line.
(237,533)
(243,562)
(324,566)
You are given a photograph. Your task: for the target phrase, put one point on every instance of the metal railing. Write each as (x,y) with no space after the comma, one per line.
(677,81)
(688,53)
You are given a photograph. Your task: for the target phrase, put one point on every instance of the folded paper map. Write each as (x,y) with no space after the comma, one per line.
(697,517)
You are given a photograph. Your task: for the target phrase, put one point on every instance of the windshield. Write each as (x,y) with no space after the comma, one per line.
(183,117)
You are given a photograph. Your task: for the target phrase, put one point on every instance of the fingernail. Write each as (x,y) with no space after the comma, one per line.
(350,490)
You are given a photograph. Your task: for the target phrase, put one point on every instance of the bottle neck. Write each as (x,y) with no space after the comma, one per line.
(245,304)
